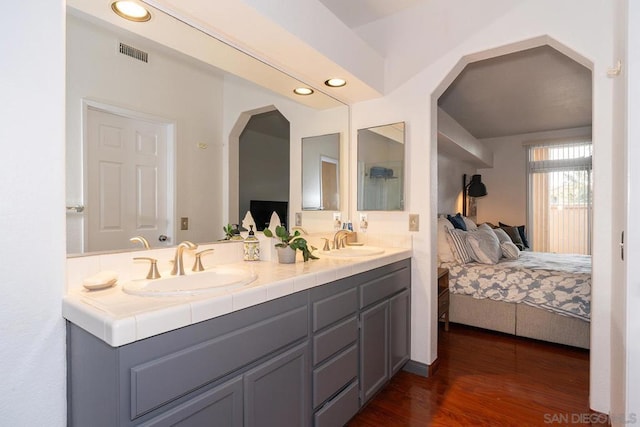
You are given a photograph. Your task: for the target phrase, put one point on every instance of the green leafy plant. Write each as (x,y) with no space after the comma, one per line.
(294,241)
(230,232)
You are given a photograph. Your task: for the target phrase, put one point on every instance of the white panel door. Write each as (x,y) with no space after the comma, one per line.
(126,180)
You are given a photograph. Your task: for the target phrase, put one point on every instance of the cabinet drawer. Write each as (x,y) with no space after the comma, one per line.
(334,308)
(334,339)
(340,409)
(443,302)
(161,380)
(385,286)
(222,404)
(332,376)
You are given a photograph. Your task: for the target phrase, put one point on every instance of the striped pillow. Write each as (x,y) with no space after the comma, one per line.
(458,242)
(510,250)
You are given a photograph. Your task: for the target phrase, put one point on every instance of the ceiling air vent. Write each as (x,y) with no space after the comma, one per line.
(131,51)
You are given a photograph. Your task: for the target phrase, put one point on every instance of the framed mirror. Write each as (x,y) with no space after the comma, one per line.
(321,172)
(381,168)
(191,96)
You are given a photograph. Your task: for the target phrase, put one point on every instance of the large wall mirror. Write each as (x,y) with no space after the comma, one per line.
(321,172)
(155,115)
(381,168)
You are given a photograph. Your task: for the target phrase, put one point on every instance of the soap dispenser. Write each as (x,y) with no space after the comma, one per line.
(251,246)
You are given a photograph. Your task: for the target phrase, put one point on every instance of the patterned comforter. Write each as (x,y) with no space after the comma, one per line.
(556,282)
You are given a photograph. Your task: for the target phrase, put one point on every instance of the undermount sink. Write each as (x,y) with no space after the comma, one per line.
(353,252)
(216,279)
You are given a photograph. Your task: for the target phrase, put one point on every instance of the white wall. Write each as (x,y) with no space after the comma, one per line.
(168,87)
(450,172)
(32,336)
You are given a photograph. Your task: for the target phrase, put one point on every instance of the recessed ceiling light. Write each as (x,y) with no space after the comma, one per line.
(303,91)
(131,11)
(335,82)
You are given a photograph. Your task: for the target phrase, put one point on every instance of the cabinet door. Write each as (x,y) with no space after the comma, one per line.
(374,345)
(277,391)
(221,406)
(399,329)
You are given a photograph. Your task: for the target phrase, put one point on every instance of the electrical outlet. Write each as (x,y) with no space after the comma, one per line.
(414,222)
(337,221)
(184,223)
(298,219)
(364,222)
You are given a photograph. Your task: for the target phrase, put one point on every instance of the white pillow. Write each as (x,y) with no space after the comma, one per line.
(502,235)
(484,245)
(471,226)
(509,250)
(444,249)
(458,242)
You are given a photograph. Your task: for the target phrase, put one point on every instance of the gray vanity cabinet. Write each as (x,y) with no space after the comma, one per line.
(384,328)
(334,312)
(210,367)
(310,358)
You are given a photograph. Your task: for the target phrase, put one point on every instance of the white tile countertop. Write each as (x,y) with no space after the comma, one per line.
(119,318)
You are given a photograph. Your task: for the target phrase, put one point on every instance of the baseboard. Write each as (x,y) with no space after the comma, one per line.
(421,369)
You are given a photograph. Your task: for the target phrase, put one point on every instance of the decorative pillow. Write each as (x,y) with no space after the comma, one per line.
(444,248)
(514,234)
(484,246)
(522,231)
(502,235)
(469,224)
(457,221)
(509,250)
(458,241)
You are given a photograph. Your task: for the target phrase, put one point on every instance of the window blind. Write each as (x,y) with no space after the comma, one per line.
(560,185)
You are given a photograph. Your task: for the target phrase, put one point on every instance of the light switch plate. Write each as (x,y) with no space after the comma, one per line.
(414,222)
(298,219)
(184,223)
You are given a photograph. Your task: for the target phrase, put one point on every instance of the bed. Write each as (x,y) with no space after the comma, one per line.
(544,296)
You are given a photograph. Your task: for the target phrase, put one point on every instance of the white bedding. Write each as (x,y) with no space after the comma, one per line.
(556,282)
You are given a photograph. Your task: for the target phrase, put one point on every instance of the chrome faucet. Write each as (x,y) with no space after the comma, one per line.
(178,265)
(141,240)
(338,238)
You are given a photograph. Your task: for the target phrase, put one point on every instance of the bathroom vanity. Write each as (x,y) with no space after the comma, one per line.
(310,357)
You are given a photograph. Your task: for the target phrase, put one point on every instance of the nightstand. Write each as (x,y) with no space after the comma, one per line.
(443,296)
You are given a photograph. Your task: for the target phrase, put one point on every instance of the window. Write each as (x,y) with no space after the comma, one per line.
(560,197)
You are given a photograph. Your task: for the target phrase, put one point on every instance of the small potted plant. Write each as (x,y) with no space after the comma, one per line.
(288,245)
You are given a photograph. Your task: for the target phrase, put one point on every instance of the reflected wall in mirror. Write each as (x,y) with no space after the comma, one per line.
(381,168)
(321,172)
(180,77)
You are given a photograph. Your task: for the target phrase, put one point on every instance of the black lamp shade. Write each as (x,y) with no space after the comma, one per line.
(476,188)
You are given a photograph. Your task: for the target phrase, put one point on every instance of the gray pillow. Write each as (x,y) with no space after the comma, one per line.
(484,246)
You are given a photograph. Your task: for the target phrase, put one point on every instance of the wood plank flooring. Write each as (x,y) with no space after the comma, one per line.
(489,379)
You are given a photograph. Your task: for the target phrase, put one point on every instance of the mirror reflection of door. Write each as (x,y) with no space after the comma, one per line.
(329,183)
(321,172)
(264,168)
(126,180)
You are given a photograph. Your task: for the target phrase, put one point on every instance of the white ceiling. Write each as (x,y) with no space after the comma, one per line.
(355,13)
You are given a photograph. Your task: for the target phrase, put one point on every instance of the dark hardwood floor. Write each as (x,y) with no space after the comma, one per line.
(489,379)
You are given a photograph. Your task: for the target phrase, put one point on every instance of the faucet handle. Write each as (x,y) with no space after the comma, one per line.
(326,244)
(153,267)
(197,265)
